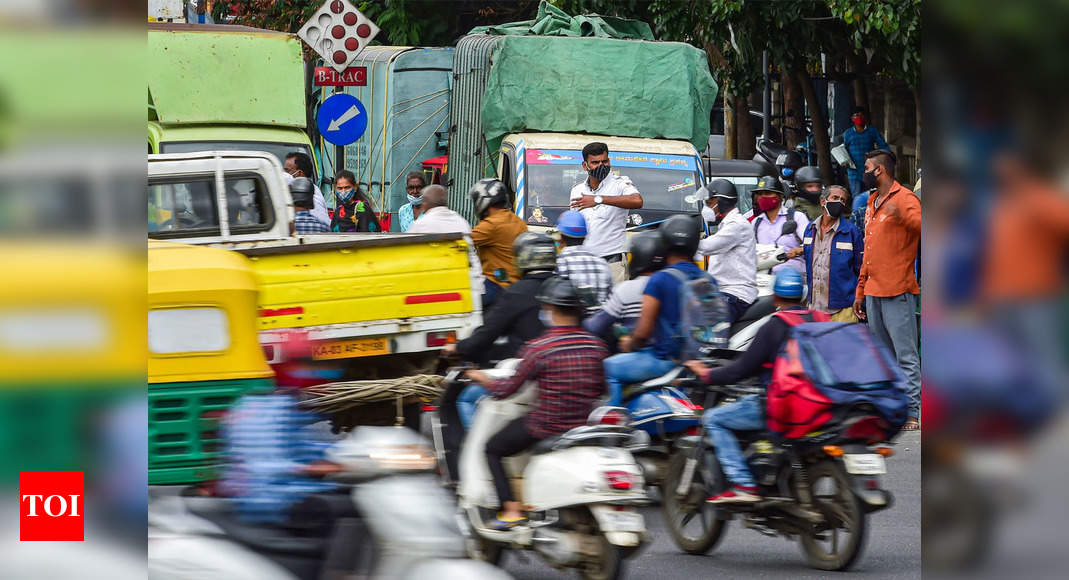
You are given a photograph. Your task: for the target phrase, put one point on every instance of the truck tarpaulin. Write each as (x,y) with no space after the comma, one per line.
(628,88)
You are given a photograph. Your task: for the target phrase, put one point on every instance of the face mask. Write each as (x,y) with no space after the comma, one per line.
(600,172)
(415,201)
(834,208)
(546,318)
(345,196)
(767,204)
(787,172)
(859,121)
(868,180)
(709,214)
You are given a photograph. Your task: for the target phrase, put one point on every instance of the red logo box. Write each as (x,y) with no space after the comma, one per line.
(51,506)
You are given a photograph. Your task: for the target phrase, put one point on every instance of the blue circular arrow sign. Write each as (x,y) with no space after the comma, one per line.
(341,119)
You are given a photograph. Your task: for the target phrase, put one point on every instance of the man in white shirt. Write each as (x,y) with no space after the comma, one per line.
(298,164)
(732,250)
(437,218)
(604,199)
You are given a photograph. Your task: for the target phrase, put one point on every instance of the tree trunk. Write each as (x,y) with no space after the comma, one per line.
(793,130)
(730,130)
(917,121)
(861,89)
(746,143)
(820,123)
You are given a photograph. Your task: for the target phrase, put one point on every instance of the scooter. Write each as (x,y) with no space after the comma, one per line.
(579,488)
(745,328)
(404,525)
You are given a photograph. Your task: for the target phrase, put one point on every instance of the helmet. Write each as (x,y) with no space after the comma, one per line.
(679,234)
(789,284)
(559,291)
(647,253)
(789,160)
(301,191)
(723,188)
(768,183)
(534,252)
(487,193)
(572,224)
(808,174)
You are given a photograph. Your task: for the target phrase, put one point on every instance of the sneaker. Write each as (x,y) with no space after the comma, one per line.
(737,494)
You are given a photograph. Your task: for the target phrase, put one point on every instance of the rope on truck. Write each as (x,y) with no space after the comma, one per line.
(336,397)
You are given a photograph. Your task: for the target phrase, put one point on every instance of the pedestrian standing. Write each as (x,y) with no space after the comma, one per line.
(834,248)
(887,289)
(732,250)
(437,218)
(353,212)
(604,200)
(859,140)
(590,274)
(299,164)
(303,221)
(494,235)
(410,212)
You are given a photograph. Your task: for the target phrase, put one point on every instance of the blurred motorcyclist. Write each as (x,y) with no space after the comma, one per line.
(625,303)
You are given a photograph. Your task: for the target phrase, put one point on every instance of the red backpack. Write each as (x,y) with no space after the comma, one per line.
(794,405)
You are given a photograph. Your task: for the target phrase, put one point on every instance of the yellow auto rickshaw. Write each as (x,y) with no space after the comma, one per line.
(203,355)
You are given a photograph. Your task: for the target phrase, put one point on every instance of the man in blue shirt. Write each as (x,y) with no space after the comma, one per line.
(859,140)
(654,347)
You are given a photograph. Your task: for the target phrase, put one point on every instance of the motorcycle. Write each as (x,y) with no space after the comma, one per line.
(745,328)
(579,488)
(819,490)
(395,522)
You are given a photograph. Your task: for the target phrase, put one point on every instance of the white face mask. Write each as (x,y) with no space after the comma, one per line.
(709,214)
(546,318)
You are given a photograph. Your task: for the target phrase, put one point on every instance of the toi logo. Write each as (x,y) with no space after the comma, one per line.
(51,506)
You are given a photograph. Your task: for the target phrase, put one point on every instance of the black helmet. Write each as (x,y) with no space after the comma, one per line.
(559,291)
(808,174)
(647,253)
(789,159)
(534,252)
(768,183)
(679,234)
(301,191)
(487,193)
(723,188)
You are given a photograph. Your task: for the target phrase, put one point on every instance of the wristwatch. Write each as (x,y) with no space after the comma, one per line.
(598,199)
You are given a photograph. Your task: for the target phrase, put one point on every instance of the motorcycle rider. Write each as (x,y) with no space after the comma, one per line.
(516,317)
(746,413)
(788,165)
(591,274)
(494,236)
(732,249)
(809,185)
(625,303)
(772,213)
(567,362)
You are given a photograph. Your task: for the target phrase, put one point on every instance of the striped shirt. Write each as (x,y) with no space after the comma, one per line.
(589,273)
(625,302)
(305,223)
(567,363)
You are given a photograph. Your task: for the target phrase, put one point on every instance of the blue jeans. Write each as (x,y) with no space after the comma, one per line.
(894,321)
(467,401)
(491,291)
(736,307)
(633,367)
(720,422)
(855,181)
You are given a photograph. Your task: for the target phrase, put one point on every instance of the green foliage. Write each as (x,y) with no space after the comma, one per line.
(889,30)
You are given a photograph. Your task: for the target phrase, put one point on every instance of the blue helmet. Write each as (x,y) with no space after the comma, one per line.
(789,284)
(572,224)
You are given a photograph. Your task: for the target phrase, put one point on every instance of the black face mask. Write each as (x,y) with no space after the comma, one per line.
(868,180)
(600,172)
(835,208)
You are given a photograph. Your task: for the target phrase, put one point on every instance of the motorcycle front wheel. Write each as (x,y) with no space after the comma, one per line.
(691,522)
(837,543)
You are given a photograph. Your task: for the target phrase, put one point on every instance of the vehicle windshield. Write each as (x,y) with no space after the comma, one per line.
(667,183)
(279,150)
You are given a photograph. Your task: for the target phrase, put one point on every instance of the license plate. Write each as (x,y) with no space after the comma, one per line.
(626,522)
(351,348)
(864,464)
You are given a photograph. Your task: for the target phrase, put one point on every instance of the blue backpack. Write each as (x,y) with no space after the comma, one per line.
(703,315)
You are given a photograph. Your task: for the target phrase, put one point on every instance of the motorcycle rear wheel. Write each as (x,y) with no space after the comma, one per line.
(680,512)
(833,498)
(610,564)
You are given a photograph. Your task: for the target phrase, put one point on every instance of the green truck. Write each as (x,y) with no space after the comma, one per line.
(225,88)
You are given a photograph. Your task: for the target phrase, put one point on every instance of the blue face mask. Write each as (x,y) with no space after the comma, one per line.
(345,196)
(546,318)
(787,172)
(415,201)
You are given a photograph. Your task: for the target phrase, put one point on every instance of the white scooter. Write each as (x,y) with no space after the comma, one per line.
(745,328)
(406,528)
(579,488)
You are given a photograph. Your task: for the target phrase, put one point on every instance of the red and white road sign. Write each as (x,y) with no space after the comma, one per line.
(354,76)
(338,32)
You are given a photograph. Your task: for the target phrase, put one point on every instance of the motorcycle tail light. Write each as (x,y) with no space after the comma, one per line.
(609,416)
(618,480)
(867,429)
(440,339)
(693,430)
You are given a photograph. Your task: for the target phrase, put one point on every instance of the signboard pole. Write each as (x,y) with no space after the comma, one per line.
(339,150)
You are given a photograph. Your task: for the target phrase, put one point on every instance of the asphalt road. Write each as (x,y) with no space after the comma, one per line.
(893,550)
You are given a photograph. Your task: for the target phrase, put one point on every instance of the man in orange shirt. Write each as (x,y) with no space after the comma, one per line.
(887,289)
(497,229)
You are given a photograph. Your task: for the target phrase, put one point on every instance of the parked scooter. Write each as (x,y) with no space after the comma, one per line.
(579,488)
(404,525)
(819,489)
